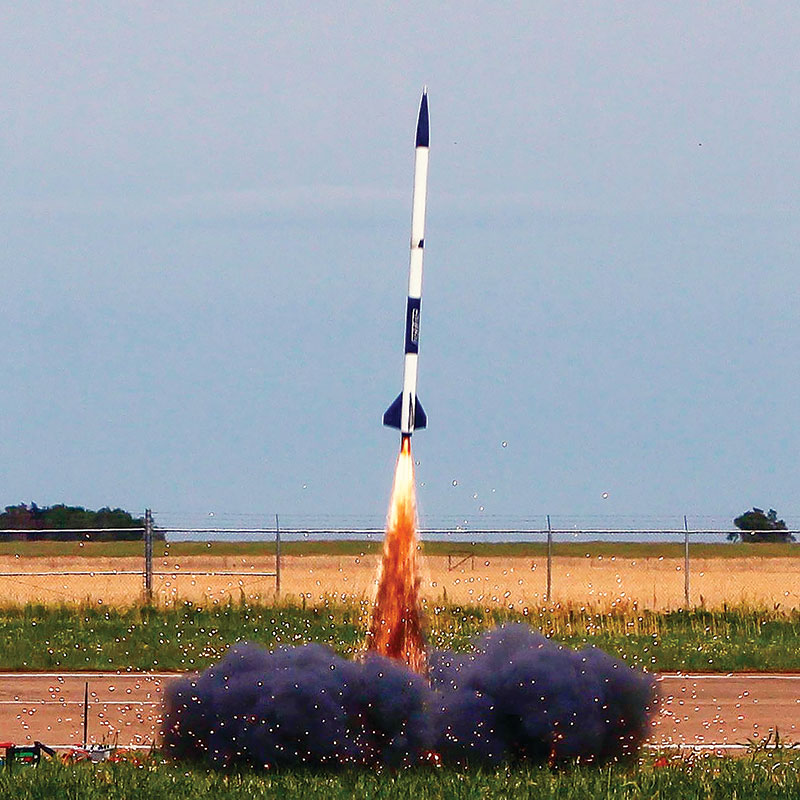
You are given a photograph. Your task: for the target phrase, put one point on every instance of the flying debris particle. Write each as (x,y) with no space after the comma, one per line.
(605,495)
(505,444)
(455,482)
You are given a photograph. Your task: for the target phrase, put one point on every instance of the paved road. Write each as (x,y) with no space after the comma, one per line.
(724,710)
(711,711)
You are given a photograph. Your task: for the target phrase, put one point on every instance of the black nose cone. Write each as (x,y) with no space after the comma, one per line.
(423,133)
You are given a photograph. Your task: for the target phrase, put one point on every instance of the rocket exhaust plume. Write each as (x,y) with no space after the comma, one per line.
(396,629)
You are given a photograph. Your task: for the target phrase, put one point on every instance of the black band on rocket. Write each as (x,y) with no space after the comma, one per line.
(412,325)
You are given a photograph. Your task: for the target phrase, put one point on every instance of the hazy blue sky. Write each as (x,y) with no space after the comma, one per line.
(205,213)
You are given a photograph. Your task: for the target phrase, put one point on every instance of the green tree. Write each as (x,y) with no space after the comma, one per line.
(68,519)
(756,526)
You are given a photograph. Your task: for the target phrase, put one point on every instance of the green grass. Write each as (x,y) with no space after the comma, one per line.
(761,777)
(193,637)
(354,548)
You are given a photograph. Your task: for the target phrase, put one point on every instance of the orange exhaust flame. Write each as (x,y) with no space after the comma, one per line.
(396,628)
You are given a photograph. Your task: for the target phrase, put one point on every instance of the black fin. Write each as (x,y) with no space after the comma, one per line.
(392,416)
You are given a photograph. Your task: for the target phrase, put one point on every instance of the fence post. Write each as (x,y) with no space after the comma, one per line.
(686,561)
(549,561)
(85,714)
(148,555)
(277,557)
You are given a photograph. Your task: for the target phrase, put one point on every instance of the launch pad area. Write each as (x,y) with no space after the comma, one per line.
(710,712)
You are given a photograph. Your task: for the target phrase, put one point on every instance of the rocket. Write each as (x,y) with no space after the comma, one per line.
(406,413)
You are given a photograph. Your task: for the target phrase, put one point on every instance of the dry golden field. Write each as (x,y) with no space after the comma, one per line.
(602,582)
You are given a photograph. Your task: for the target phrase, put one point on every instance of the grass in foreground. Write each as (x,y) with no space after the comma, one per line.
(766,776)
(192,637)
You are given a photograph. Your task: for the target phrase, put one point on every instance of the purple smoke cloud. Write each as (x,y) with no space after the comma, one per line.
(518,696)
(521,696)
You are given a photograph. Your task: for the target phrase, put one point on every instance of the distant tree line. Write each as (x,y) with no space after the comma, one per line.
(69,519)
(756,526)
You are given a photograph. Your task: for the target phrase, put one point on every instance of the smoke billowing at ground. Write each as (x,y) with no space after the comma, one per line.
(518,697)
(396,629)
(523,697)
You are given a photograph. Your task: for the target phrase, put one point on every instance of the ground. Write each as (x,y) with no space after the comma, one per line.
(713,712)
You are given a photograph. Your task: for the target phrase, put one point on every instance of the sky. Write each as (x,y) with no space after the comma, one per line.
(204,222)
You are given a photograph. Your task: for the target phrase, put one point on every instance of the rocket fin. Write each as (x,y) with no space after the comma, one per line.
(392,416)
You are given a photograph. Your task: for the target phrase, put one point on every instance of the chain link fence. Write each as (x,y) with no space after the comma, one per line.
(601,562)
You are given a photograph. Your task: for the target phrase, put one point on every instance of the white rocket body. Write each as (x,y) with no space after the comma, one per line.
(406,413)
